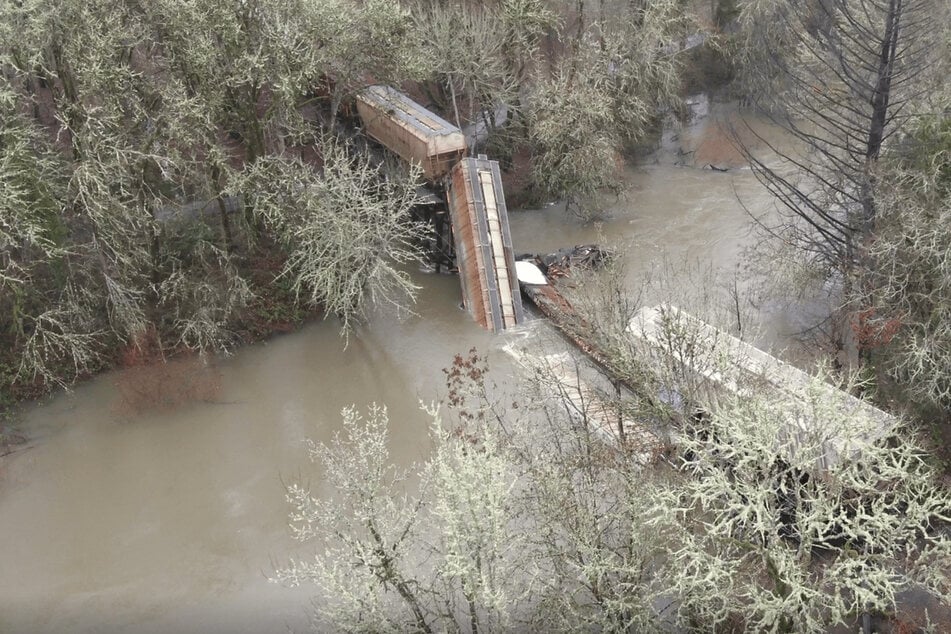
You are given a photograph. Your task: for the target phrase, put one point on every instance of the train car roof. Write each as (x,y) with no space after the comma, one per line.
(400,107)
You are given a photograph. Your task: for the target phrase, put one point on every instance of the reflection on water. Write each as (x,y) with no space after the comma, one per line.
(171,521)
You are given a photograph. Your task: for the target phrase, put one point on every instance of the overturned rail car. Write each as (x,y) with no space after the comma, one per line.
(484,244)
(411,131)
(710,364)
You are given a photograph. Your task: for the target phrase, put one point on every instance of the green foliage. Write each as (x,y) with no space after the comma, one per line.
(573,94)
(573,131)
(524,23)
(345,28)
(930,152)
(466,53)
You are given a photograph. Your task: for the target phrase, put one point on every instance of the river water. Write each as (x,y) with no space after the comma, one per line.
(172,521)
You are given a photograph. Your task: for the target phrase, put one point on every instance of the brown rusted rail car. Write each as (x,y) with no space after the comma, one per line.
(411,131)
(484,244)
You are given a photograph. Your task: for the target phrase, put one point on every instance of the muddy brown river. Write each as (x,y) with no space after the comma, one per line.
(172,521)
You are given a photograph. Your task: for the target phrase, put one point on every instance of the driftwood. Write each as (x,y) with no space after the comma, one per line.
(560,263)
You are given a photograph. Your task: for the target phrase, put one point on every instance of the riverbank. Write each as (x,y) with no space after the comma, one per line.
(155,375)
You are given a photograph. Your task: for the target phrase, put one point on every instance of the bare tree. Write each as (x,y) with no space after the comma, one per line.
(442,560)
(848,72)
(532,518)
(523,519)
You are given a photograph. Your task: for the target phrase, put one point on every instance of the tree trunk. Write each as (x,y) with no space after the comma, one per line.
(222,209)
(880,98)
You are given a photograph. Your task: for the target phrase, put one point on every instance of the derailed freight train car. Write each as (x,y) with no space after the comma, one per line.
(483,244)
(411,131)
(706,365)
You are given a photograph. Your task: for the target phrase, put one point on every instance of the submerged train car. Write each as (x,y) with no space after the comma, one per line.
(709,365)
(484,244)
(411,131)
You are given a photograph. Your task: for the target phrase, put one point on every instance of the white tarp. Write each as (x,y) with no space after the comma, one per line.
(528,273)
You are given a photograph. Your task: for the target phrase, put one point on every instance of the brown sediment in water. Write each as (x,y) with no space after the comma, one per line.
(163,385)
(717,147)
